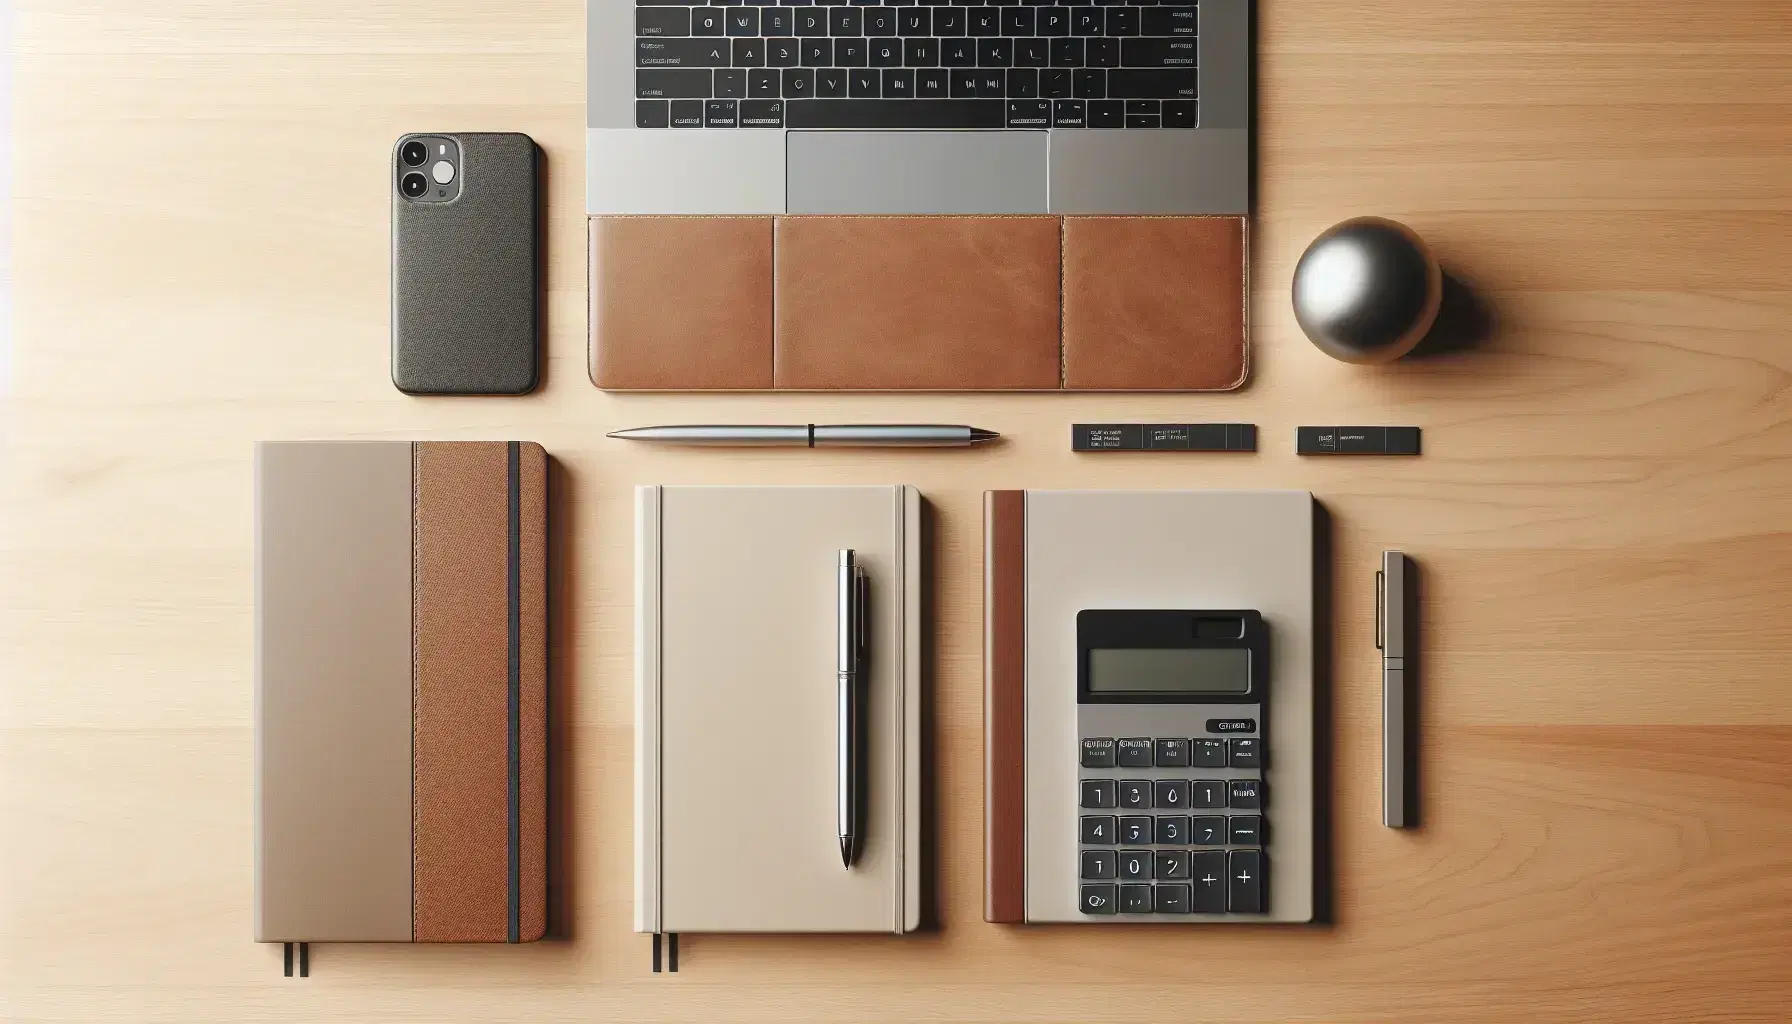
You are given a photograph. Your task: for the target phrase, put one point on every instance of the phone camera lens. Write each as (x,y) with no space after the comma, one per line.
(415,152)
(415,185)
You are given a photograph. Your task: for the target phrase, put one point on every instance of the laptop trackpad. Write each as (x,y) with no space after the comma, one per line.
(916,172)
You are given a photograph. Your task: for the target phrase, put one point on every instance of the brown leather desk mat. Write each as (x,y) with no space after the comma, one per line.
(1017,303)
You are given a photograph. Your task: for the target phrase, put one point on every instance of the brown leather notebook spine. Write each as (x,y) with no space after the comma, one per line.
(1004,707)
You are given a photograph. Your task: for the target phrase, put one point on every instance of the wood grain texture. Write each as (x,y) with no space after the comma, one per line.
(1600,517)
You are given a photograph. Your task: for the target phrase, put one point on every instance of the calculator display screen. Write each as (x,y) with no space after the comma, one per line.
(1169,670)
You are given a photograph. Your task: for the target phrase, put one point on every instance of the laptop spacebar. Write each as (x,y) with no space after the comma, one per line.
(893,113)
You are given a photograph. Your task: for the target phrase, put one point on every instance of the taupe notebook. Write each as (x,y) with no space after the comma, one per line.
(737,732)
(400,691)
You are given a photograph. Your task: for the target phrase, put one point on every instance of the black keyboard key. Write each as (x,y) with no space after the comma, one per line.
(863,84)
(1103,53)
(880,21)
(914,22)
(1017,21)
(1152,84)
(985,21)
(1087,21)
(1123,21)
(680,53)
(1245,883)
(921,53)
(1246,794)
(1210,830)
(932,83)
(762,83)
(1204,793)
(1172,753)
(948,21)
(899,84)
(1167,794)
(799,84)
(731,83)
(1134,752)
(706,21)
(1246,830)
(662,21)
(818,53)
(812,22)
(1158,52)
(1208,874)
(672,83)
(1204,753)
(1135,794)
(1038,114)
(1098,898)
(851,53)
(1172,829)
(1169,866)
(777,21)
(1054,83)
(1134,831)
(1107,114)
(964,83)
(1135,865)
(844,21)
(1023,84)
(743,21)
(991,83)
(721,114)
(830,83)
(1097,793)
(652,113)
(1246,751)
(781,53)
(1032,53)
(1089,85)
(1054,21)
(1135,899)
(749,53)
(1167,21)
(1098,864)
(687,113)
(886,53)
(1067,53)
(1097,829)
(995,53)
(959,53)
(1170,899)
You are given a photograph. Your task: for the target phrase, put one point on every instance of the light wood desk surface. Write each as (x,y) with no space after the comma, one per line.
(1602,513)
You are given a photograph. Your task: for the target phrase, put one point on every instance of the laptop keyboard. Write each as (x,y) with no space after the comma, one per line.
(908,65)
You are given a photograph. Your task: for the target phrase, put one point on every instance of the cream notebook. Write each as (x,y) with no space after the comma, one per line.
(735,710)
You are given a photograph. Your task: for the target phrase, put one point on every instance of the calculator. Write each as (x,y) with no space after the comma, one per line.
(1171,765)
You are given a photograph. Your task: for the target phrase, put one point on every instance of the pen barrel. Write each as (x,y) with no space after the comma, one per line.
(847,807)
(1393,743)
(907,435)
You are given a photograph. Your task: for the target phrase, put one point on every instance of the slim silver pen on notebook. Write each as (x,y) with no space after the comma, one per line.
(1391,636)
(849,635)
(814,435)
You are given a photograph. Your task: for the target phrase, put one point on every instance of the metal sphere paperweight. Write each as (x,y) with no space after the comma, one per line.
(1367,290)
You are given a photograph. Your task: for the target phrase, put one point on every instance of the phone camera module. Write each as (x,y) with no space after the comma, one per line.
(415,152)
(414,185)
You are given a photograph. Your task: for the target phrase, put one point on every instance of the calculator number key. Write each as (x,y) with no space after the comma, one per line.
(1135,865)
(1098,752)
(1135,794)
(1098,830)
(1203,793)
(1247,794)
(1136,830)
(1135,899)
(1098,792)
(1098,899)
(1169,866)
(1172,830)
(1170,794)
(1098,864)
(1210,831)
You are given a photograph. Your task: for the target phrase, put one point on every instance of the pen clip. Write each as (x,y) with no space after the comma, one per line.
(1381,598)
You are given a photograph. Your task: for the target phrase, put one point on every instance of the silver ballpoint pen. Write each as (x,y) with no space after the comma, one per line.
(849,635)
(814,435)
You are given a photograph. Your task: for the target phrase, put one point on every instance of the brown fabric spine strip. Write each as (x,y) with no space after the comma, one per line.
(1004,707)
(532,724)
(460,723)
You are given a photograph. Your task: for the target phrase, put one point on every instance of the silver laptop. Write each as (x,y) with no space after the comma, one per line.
(897,107)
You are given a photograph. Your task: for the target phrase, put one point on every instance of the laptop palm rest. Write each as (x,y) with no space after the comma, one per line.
(916,172)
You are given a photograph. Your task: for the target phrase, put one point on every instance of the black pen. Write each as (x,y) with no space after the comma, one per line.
(849,634)
(814,435)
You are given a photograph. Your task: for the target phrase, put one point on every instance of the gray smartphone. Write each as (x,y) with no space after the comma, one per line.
(466,259)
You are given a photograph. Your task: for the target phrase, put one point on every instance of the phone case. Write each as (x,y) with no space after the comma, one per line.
(466,274)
